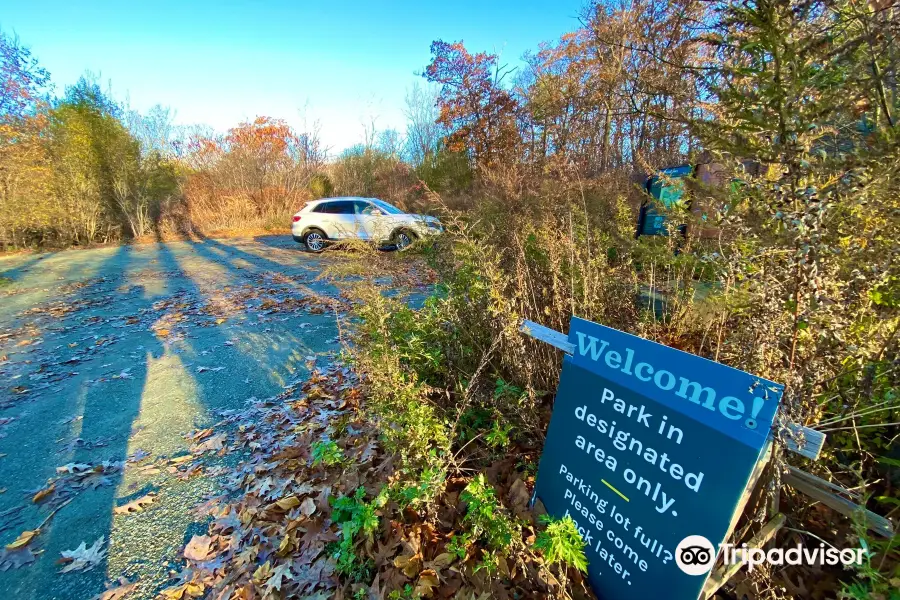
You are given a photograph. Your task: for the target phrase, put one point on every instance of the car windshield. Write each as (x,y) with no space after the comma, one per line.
(388,208)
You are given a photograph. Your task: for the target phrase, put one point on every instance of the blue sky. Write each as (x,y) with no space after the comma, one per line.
(220,62)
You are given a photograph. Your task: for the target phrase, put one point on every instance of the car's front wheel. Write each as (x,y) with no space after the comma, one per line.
(315,239)
(403,239)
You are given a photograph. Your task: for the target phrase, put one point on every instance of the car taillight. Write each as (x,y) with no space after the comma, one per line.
(296,218)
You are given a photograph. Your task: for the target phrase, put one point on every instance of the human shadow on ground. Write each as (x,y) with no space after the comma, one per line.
(91,417)
(77,420)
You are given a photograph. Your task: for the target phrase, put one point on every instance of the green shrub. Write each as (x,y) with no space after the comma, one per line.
(389,339)
(487,521)
(446,172)
(878,576)
(320,186)
(422,490)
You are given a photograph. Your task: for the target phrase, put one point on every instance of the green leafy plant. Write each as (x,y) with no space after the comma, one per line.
(396,349)
(459,545)
(489,562)
(498,436)
(422,490)
(473,421)
(327,453)
(561,544)
(357,519)
(486,519)
(503,388)
(527,467)
(875,577)
(407,593)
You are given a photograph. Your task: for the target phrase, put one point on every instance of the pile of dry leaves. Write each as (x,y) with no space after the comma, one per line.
(273,534)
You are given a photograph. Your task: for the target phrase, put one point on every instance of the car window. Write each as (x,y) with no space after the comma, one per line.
(388,208)
(321,208)
(339,208)
(366,208)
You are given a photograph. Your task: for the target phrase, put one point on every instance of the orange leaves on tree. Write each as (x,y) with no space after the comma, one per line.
(474,107)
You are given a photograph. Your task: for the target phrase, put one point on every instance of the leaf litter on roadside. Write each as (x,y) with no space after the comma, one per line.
(273,532)
(117,590)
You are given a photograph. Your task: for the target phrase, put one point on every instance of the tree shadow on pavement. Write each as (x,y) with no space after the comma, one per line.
(278,242)
(22,265)
(155,361)
(294,260)
(280,282)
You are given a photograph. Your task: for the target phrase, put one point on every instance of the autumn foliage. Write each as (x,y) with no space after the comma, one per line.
(258,172)
(795,278)
(479,114)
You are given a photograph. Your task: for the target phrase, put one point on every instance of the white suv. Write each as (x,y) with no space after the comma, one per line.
(334,219)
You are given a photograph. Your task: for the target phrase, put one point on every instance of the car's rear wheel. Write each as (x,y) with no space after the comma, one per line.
(315,239)
(403,239)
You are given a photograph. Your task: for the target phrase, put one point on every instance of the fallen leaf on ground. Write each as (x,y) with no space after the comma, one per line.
(428,580)
(139,455)
(410,565)
(279,574)
(263,572)
(83,558)
(199,548)
(74,468)
(441,561)
(136,505)
(42,494)
(117,593)
(519,498)
(288,503)
(183,591)
(24,538)
(308,507)
(214,443)
(198,435)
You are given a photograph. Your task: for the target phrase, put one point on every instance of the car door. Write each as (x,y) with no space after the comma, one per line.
(341,221)
(372,221)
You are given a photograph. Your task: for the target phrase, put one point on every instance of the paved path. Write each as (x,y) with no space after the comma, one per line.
(120,352)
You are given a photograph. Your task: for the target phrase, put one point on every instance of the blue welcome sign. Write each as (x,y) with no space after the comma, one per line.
(647,446)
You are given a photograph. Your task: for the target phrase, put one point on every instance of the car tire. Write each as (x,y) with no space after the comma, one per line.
(315,240)
(402,239)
